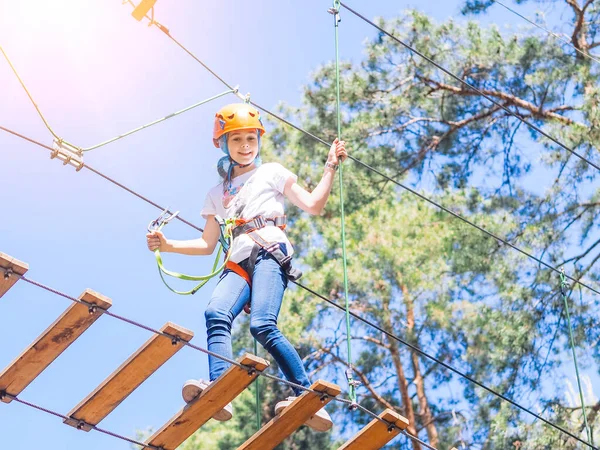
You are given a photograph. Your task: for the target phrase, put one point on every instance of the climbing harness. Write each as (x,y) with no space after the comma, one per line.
(229,230)
(251,227)
(224,243)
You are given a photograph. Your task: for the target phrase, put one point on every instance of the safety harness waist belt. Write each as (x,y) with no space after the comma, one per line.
(250,228)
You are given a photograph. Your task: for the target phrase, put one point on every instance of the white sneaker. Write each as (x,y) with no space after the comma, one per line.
(320,421)
(191,391)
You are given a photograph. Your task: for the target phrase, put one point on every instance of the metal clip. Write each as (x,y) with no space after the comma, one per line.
(335,12)
(251,372)
(244,98)
(324,398)
(563,282)
(175,340)
(7,273)
(165,217)
(67,153)
(350,378)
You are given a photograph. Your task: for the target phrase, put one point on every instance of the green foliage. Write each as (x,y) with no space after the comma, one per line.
(420,273)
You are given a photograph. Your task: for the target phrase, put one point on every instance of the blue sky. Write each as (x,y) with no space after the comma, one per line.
(95,72)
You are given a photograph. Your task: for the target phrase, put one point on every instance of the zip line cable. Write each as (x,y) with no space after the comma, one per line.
(167,32)
(176,339)
(367,166)
(550,32)
(141,444)
(109,179)
(473,88)
(61,416)
(232,90)
(155,122)
(399,184)
(449,367)
(335,10)
(369,323)
(433,202)
(376,171)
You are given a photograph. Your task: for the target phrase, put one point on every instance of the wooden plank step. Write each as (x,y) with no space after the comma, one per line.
(11,264)
(222,391)
(376,434)
(292,417)
(51,343)
(128,377)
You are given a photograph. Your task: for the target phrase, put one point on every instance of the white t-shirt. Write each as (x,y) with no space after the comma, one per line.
(261,195)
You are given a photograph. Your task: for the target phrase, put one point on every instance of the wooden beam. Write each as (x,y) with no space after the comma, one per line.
(292,417)
(222,391)
(377,434)
(8,264)
(51,343)
(128,377)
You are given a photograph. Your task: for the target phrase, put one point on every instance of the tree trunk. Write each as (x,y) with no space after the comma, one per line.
(424,410)
(408,409)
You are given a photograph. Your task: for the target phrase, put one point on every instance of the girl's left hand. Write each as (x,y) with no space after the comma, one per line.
(337,152)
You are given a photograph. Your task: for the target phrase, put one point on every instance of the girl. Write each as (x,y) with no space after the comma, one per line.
(257,273)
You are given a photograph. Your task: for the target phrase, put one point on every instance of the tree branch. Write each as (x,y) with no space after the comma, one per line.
(578,38)
(508,98)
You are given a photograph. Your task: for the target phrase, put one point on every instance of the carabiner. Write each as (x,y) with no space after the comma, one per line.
(165,217)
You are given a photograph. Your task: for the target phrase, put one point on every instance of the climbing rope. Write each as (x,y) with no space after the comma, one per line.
(563,290)
(352,384)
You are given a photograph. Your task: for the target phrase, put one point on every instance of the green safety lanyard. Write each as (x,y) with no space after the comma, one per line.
(225,241)
(352,383)
(564,287)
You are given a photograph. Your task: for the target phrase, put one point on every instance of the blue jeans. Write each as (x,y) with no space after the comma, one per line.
(228,300)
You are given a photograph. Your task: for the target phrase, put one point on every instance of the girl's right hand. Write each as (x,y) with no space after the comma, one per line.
(156,240)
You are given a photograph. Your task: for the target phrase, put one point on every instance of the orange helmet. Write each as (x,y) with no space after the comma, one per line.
(237,116)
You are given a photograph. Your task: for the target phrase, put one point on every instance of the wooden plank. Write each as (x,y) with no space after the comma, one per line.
(51,343)
(377,434)
(128,377)
(292,417)
(222,391)
(8,263)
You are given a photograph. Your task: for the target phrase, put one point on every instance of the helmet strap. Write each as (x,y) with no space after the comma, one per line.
(232,163)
